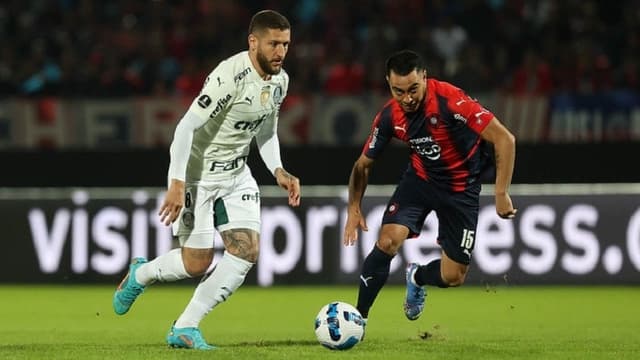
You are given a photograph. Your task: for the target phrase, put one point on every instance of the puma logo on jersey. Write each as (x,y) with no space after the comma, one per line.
(479,114)
(249,100)
(400,128)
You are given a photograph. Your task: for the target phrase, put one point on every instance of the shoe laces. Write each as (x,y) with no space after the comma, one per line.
(417,295)
(131,292)
(197,336)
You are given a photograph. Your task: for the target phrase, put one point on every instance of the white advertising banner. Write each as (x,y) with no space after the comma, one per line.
(563,234)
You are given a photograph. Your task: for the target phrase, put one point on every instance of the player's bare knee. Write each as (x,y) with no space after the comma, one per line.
(387,246)
(454,278)
(196,261)
(196,268)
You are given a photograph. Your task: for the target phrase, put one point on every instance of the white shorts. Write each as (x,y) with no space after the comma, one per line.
(232,203)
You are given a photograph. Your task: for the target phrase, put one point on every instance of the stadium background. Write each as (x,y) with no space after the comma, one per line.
(90,92)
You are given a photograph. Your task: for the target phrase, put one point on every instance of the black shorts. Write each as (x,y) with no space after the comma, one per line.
(457,213)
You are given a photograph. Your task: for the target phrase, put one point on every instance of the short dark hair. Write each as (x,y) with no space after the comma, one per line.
(403,62)
(268,19)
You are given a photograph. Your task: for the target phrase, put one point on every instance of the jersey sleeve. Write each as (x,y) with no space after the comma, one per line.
(216,95)
(181,145)
(267,139)
(381,134)
(476,116)
(285,85)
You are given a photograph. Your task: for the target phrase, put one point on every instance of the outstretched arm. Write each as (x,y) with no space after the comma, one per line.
(505,152)
(357,185)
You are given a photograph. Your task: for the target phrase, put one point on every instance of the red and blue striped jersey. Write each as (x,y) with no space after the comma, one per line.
(443,134)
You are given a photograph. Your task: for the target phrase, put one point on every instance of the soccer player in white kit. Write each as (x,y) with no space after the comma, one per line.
(210,185)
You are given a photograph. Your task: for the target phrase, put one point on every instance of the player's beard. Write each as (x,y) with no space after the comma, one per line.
(266,66)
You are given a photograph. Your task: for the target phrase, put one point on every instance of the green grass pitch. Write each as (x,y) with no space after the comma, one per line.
(76,322)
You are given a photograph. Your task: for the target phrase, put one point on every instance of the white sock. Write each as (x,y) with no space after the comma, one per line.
(167,267)
(413,279)
(225,279)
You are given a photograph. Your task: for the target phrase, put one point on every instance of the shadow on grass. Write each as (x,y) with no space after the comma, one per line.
(71,346)
(74,350)
(270,343)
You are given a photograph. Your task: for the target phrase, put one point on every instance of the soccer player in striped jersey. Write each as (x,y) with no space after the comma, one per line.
(448,133)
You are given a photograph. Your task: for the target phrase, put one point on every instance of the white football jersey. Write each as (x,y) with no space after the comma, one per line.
(237,104)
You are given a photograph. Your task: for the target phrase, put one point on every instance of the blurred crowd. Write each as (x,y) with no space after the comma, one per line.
(115,48)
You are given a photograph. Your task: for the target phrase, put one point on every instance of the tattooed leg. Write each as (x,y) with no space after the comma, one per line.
(241,253)
(242,243)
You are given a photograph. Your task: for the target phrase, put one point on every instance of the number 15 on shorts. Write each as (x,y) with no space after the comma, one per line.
(467,239)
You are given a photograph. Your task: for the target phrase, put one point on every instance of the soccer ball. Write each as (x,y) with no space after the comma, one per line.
(339,326)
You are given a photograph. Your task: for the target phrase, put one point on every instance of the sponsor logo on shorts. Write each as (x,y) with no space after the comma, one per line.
(187,219)
(251,197)
(393,208)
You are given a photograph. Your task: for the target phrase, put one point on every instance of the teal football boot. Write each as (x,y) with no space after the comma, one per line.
(129,289)
(414,299)
(187,338)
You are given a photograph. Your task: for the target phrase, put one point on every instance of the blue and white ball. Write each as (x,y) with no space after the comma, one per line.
(339,326)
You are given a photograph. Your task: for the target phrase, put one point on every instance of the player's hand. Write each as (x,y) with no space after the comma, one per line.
(355,221)
(504,206)
(289,183)
(173,202)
